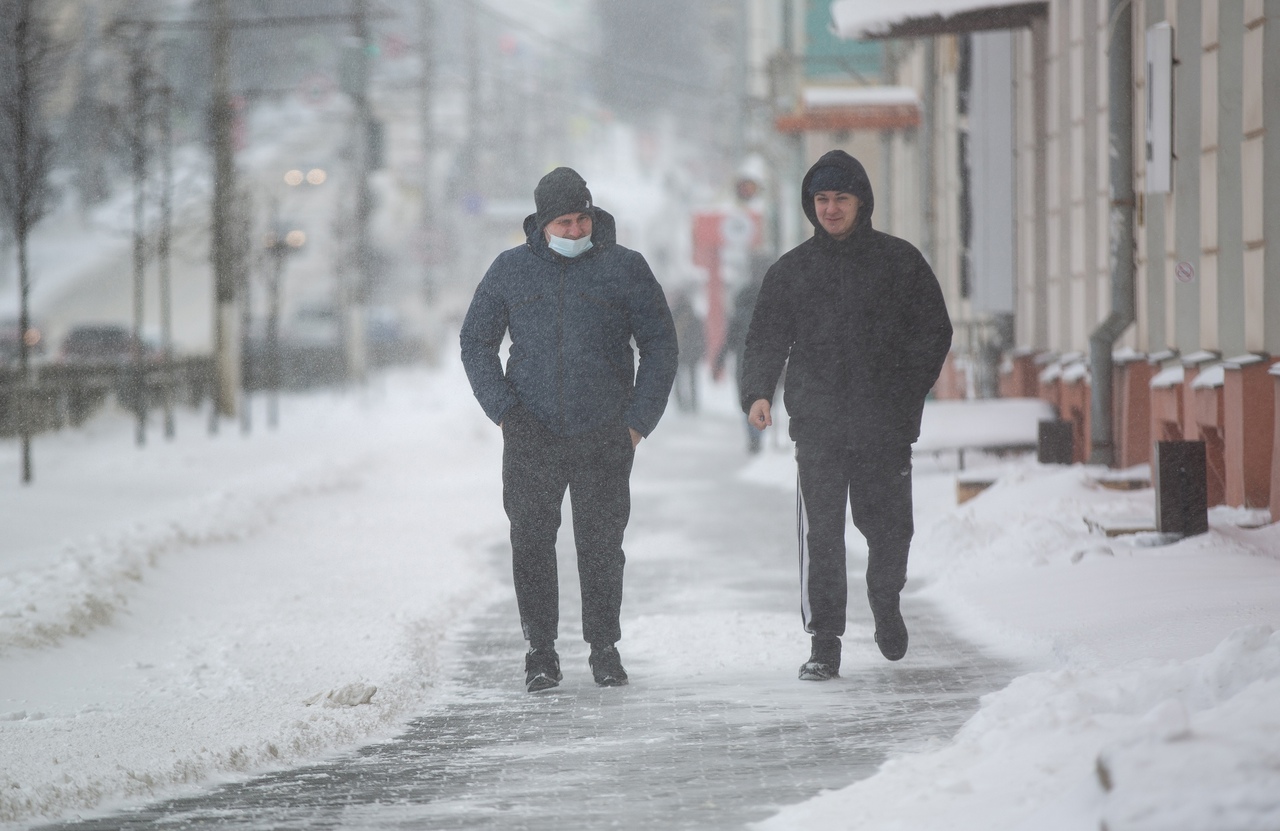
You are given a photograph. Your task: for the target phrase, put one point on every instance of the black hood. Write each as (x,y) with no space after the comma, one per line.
(604,233)
(861,189)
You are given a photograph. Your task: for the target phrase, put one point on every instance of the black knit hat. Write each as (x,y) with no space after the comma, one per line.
(560,192)
(832,177)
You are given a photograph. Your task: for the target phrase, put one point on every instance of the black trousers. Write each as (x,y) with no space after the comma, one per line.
(537,467)
(876,482)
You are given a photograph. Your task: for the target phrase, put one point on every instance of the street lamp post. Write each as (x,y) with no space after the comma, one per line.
(279,246)
(281,241)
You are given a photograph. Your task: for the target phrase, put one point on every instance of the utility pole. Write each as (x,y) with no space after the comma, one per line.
(280,244)
(24,90)
(243,227)
(469,158)
(426,122)
(226,344)
(138,77)
(163,247)
(362,277)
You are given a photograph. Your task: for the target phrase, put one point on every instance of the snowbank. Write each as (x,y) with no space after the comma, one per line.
(1155,701)
(221,605)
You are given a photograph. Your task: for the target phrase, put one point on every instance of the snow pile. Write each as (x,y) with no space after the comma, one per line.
(91,580)
(224,605)
(1188,745)
(1155,707)
(1207,757)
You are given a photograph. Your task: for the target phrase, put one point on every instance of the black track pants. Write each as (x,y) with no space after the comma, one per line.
(877,484)
(537,467)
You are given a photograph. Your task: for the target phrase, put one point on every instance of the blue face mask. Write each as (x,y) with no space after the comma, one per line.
(568,247)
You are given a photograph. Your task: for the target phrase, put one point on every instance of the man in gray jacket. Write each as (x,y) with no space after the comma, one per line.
(572,405)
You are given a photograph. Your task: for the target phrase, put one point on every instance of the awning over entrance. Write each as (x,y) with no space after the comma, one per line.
(846,108)
(866,19)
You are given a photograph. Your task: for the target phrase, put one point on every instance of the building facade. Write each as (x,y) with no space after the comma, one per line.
(1169,337)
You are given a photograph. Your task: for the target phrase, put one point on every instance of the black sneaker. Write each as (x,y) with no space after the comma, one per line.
(824,659)
(541,670)
(606,666)
(891,631)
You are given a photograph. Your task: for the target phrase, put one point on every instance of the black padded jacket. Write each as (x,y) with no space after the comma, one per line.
(860,325)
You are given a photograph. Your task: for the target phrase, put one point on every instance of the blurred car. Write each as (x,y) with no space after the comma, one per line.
(9,350)
(102,343)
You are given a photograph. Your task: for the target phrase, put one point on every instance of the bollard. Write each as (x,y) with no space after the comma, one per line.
(1182,494)
(1054,445)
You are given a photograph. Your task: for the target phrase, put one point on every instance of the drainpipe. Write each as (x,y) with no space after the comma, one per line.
(1120,138)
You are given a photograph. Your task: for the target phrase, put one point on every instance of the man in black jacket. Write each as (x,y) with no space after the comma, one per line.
(858,319)
(572,406)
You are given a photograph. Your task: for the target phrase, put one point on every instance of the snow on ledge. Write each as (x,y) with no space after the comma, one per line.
(1076,372)
(1201,357)
(854,96)
(1171,377)
(1214,376)
(1247,359)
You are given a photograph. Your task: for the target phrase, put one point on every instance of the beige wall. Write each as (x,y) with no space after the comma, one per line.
(1062,238)
(1223,182)
(1228,301)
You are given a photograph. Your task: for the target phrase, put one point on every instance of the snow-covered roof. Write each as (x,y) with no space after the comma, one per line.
(855,19)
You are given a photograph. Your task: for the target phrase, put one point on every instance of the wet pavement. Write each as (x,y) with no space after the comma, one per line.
(714,730)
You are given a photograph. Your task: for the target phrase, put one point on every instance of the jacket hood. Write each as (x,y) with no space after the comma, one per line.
(604,233)
(861,189)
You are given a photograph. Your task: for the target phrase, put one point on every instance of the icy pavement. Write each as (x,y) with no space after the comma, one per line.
(714,730)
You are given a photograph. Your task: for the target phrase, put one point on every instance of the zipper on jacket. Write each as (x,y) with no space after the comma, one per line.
(560,347)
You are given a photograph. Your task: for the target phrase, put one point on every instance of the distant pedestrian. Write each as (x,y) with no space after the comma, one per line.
(693,348)
(858,318)
(571,407)
(735,339)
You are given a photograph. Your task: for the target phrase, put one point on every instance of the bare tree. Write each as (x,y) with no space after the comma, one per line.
(29,62)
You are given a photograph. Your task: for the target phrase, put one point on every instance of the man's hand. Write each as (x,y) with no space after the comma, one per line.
(635,437)
(760,416)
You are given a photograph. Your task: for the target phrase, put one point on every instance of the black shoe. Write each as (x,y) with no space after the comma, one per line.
(891,631)
(824,659)
(606,666)
(541,670)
